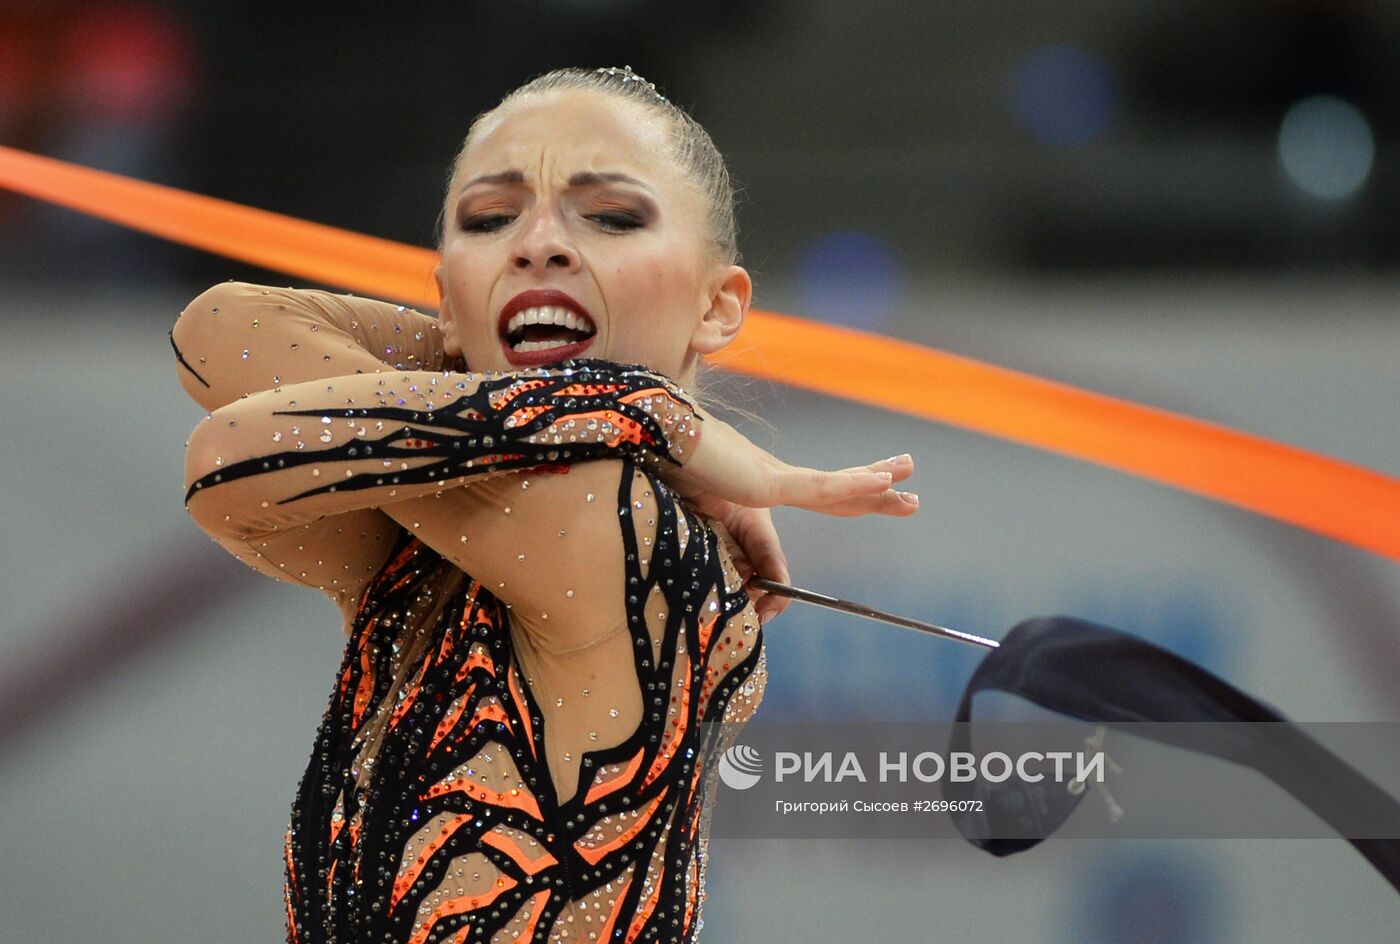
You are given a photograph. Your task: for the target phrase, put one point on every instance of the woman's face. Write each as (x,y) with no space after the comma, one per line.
(569,231)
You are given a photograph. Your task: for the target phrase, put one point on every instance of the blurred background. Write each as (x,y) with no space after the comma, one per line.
(1193,205)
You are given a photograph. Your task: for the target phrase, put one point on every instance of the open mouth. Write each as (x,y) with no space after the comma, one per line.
(546,331)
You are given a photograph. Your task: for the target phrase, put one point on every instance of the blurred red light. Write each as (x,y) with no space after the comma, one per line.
(128,61)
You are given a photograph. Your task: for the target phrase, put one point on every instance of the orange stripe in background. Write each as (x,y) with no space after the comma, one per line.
(1330,497)
(306,250)
(1338,499)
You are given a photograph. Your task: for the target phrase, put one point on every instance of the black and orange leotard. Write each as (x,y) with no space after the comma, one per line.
(515,748)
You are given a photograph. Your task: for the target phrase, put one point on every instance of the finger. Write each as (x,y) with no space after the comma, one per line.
(769,562)
(771,605)
(900,467)
(893,503)
(803,488)
(768,605)
(764,548)
(754,530)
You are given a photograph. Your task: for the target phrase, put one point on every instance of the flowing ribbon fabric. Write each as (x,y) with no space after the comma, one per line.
(1096,673)
(1346,502)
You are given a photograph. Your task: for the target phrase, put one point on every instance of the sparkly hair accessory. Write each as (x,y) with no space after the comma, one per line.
(627,75)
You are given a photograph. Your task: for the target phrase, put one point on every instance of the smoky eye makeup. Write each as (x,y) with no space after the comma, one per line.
(612,220)
(485,222)
(618,217)
(611,209)
(639,205)
(485,216)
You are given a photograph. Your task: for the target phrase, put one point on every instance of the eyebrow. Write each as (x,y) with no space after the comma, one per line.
(584,178)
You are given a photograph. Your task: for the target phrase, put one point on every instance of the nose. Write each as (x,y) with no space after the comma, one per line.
(544,244)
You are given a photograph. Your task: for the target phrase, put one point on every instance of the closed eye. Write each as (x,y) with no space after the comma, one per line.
(491,222)
(616,222)
(486,223)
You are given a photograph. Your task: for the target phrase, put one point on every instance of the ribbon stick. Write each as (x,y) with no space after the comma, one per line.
(1341,500)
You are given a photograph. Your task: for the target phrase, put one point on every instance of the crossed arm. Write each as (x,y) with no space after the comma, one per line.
(336,420)
(333,423)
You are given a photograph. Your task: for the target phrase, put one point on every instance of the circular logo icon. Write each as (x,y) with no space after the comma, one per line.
(740,767)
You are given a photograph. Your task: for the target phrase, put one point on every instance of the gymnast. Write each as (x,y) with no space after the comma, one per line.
(537,535)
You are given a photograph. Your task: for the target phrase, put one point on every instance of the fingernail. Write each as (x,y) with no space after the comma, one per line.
(885,476)
(900,457)
(910,497)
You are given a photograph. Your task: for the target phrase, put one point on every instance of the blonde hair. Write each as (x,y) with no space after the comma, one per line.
(694,149)
(701,389)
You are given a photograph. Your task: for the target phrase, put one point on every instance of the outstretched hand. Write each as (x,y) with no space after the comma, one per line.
(735,483)
(726,465)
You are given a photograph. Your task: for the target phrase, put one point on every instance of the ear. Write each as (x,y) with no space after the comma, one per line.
(730,292)
(450,342)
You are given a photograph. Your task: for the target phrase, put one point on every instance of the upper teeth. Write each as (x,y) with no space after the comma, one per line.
(549,314)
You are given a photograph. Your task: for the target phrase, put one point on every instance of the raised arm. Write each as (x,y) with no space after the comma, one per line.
(237,338)
(273,462)
(335,537)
